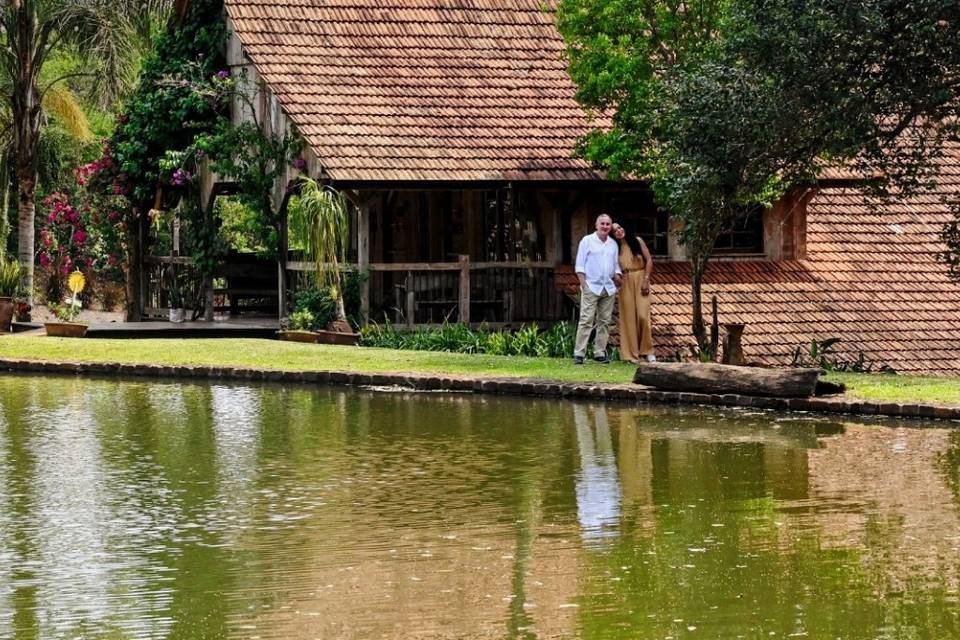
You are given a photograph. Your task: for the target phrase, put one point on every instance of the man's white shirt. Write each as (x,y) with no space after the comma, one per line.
(599,260)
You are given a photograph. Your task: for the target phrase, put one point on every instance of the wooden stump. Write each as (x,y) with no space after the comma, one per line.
(724,378)
(733,345)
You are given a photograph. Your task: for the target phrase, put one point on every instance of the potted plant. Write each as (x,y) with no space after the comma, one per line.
(299,327)
(67,313)
(9,281)
(322,220)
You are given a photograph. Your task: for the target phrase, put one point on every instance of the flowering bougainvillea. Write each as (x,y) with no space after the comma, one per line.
(85,229)
(64,243)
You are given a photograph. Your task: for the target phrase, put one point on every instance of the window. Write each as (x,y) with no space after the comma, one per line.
(745,235)
(637,209)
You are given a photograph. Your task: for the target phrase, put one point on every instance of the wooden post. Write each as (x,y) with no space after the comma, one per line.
(363,257)
(140,264)
(465,289)
(557,237)
(207,279)
(733,345)
(411,300)
(282,266)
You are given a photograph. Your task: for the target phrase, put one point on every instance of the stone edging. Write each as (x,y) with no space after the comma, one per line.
(509,386)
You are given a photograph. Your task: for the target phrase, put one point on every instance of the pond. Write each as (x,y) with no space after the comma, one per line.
(166,510)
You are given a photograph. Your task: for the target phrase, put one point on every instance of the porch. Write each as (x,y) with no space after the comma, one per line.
(430,254)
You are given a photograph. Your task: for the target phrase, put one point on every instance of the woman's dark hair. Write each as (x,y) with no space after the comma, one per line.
(631,239)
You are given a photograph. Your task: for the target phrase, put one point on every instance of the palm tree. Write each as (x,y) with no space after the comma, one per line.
(111,35)
(322,221)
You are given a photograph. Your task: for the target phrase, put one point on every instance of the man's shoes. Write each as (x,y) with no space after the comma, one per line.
(651,358)
(577,359)
(602,359)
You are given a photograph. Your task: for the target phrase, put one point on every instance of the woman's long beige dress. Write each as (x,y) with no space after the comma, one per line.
(636,340)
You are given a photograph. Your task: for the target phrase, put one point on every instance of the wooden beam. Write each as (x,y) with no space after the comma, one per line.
(282,264)
(363,256)
(465,289)
(296,265)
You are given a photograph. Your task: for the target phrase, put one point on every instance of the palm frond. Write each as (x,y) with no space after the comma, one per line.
(113,35)
(60,102)
(322,220)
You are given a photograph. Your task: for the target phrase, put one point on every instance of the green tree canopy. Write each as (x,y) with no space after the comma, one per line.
(724,105)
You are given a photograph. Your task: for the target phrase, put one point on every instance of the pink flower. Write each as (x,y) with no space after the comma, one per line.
(44,259)
(79,236)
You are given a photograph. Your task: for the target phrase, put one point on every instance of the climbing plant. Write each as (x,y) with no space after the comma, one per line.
(164,115)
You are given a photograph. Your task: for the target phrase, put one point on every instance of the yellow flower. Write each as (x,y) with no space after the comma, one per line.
(76,282)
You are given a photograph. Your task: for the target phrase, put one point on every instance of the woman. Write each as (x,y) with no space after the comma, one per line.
(636,340)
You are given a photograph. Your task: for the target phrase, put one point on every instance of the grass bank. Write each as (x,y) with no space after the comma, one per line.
(290,356)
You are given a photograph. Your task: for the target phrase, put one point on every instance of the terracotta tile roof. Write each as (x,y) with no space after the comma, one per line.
(870,278)
(420,89)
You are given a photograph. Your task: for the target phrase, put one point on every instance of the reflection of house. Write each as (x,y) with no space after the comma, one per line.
(913,510)
(452,126)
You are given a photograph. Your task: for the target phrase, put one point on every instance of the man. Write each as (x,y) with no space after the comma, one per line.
(598,268)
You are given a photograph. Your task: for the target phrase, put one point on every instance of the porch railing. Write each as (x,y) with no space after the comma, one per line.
(492,293)
(155,287)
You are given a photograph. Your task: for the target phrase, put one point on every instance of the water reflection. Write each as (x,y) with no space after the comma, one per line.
(130,510)
(598,485)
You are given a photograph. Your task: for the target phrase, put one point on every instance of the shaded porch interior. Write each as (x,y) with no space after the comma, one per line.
(491,251)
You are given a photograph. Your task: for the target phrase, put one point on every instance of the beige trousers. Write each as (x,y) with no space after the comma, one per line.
(596,312)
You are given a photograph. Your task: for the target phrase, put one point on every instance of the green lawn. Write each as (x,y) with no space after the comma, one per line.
(272,354)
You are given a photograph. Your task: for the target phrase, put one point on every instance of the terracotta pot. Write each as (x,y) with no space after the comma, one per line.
(6,313)
(296,335)
(66,329)
(337,337)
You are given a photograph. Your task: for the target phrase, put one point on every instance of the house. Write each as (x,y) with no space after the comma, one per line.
(451,125)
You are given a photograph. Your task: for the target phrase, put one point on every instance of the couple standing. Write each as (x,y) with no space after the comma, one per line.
(606,264)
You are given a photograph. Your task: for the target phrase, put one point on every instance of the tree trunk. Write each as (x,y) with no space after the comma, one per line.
(133,269)
(710,377)
(696,282)
(25,107)
(26,213)
(4,208)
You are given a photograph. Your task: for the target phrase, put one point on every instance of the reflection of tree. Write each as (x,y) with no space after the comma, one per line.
(160,445)
(733,543)
(949,463)
(20,466)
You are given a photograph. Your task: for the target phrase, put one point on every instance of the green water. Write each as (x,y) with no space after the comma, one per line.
(134,510)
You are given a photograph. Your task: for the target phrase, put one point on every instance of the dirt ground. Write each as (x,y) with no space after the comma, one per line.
(42,314)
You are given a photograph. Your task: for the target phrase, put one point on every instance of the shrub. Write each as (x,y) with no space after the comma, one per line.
(529,340)
(320,303)
(9,278)
(302,320)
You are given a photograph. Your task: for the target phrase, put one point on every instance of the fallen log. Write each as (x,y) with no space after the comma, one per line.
(710,377)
